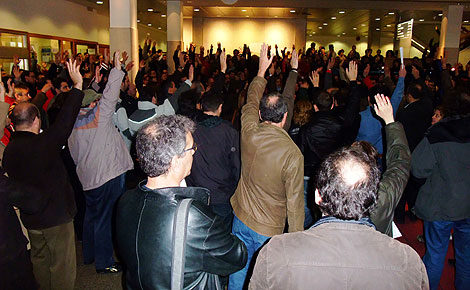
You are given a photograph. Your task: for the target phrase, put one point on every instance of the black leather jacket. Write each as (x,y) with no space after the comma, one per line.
(144,227)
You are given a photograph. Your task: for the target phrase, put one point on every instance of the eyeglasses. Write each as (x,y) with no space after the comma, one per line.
(189,149)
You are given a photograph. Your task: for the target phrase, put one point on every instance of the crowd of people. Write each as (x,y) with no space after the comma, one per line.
(281,170)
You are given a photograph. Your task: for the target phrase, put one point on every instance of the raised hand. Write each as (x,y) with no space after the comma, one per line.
(141,64)
(402,71)
(351,72)
(331,63)
(383,108)
(74,72)
(17,72)
(130,65)
(124,57)
(46,87)
(97,74)
(16,60)
(117,61)
(264,61)
(191,73)
(294,61)
(315,78)
(272,69)
(223,61)
(415,72)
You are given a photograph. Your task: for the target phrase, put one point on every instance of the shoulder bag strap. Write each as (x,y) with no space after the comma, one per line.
(180,223)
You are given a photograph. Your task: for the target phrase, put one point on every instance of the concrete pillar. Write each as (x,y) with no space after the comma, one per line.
(373,39)
(123,30)
(174,26)
(450,33)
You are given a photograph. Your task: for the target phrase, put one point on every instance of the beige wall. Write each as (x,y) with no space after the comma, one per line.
(57,18)
(233,33)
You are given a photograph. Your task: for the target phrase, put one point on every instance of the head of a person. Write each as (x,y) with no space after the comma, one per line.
(377,89)
(347,184)
(353,47)
(30,77)
(323,102)
(331,47)
(22,93)
(341,52)
(273,109)
(463,101)
(125,83)
(212,103)
(165,146)
(60,85)
(439,114)
(302,112)
(26,117)
(413,93)
(379,52)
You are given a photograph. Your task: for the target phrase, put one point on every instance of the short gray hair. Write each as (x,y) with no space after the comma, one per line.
(160,140)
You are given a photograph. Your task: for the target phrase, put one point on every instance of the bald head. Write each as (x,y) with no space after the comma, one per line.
(348,183)
(24,115)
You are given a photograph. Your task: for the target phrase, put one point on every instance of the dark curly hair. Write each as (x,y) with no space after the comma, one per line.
(348,183)
(272,108)
(160,140)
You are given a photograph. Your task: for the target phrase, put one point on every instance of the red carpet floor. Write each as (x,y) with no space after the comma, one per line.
(410,230)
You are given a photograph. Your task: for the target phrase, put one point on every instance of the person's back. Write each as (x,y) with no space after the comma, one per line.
(338,256)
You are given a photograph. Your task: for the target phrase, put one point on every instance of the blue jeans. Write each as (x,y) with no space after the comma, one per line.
(253,241)
(308,215)
(437,235)
(97,230)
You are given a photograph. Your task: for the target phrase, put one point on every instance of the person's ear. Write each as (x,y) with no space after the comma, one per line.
(318,198)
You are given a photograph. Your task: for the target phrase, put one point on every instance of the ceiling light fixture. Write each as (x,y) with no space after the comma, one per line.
(354,28)
(378,29)
(363,25)
(150,10)
(99,2)
(159,27)
(333,17)
(421,20)
(465,21)
(243,10)
(389,25)
(150,24)
(325,23)
(292,11)
(344,33)
(391,13)
(341,12)
(163,15)
(320,27)
(440,14)
(377,19)
(138,20)
(196,9)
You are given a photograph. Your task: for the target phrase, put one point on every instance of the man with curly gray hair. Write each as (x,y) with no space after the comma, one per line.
(147,216)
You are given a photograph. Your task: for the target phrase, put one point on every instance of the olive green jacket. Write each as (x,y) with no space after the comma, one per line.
(394,179)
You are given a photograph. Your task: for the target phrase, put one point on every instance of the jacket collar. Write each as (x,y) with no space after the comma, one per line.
(146,105)
(331,219)
(197,193)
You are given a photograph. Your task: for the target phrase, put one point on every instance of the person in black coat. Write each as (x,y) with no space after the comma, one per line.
(216,164)
(16,270)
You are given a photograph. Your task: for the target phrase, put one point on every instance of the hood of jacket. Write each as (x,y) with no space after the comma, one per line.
(452,129)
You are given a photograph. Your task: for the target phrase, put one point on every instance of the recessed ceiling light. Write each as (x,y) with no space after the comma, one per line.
(377,29)
(354,28)
(377,19)
(138,20)
(150,10)
(363,25)
(465,21)
(341,12)
(440,14)
(344,33)
(421,20)
(159,27)
(320,27)
(243,10)
(292,11)
(391,13)
(333,17)
(150,24)
(310,35)
(313,32)
(338,35)
(247,16)
(276,16)
(196,9)
(163,15)
(99,2)
(325,23)
(388,25)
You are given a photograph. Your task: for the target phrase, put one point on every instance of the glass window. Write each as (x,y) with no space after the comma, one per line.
(45,49)
(12,40)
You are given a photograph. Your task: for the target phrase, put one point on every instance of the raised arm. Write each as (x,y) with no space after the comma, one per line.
(396,176)
(250,116)
(110,96)
(397,95)
(289,89)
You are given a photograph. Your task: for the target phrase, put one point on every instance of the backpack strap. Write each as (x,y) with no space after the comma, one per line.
(180,223)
